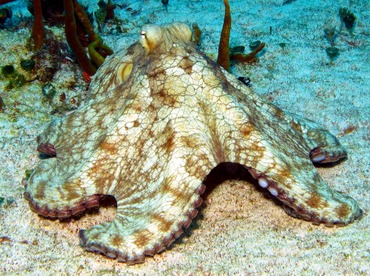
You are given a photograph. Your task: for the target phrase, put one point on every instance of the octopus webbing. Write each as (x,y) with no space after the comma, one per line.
(160,116)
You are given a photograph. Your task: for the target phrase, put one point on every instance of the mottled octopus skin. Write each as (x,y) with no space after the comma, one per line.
(159,117)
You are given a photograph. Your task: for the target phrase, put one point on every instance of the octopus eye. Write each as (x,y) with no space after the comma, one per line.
(151,37)
(124,70)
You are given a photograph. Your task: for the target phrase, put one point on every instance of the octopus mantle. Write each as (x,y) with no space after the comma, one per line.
(160,116)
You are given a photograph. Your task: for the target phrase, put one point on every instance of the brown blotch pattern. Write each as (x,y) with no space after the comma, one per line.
(315,201)
(342,211)
(187,65)
(117,240)
(142,237)
(164,224)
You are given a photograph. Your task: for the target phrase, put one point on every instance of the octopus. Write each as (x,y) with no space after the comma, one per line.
(159,116)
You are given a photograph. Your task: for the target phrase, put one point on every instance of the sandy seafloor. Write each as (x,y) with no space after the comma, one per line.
(239,230)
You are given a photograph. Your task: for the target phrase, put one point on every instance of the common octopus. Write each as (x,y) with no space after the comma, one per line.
(160,116)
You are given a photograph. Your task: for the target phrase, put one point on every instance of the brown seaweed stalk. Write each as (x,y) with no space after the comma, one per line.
(223,48)
(97,49)
(72,38)
(74,15)
(38,31)
(248,57)
(5,1)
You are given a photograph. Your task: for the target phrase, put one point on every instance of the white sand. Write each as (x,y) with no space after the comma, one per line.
(240,231)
